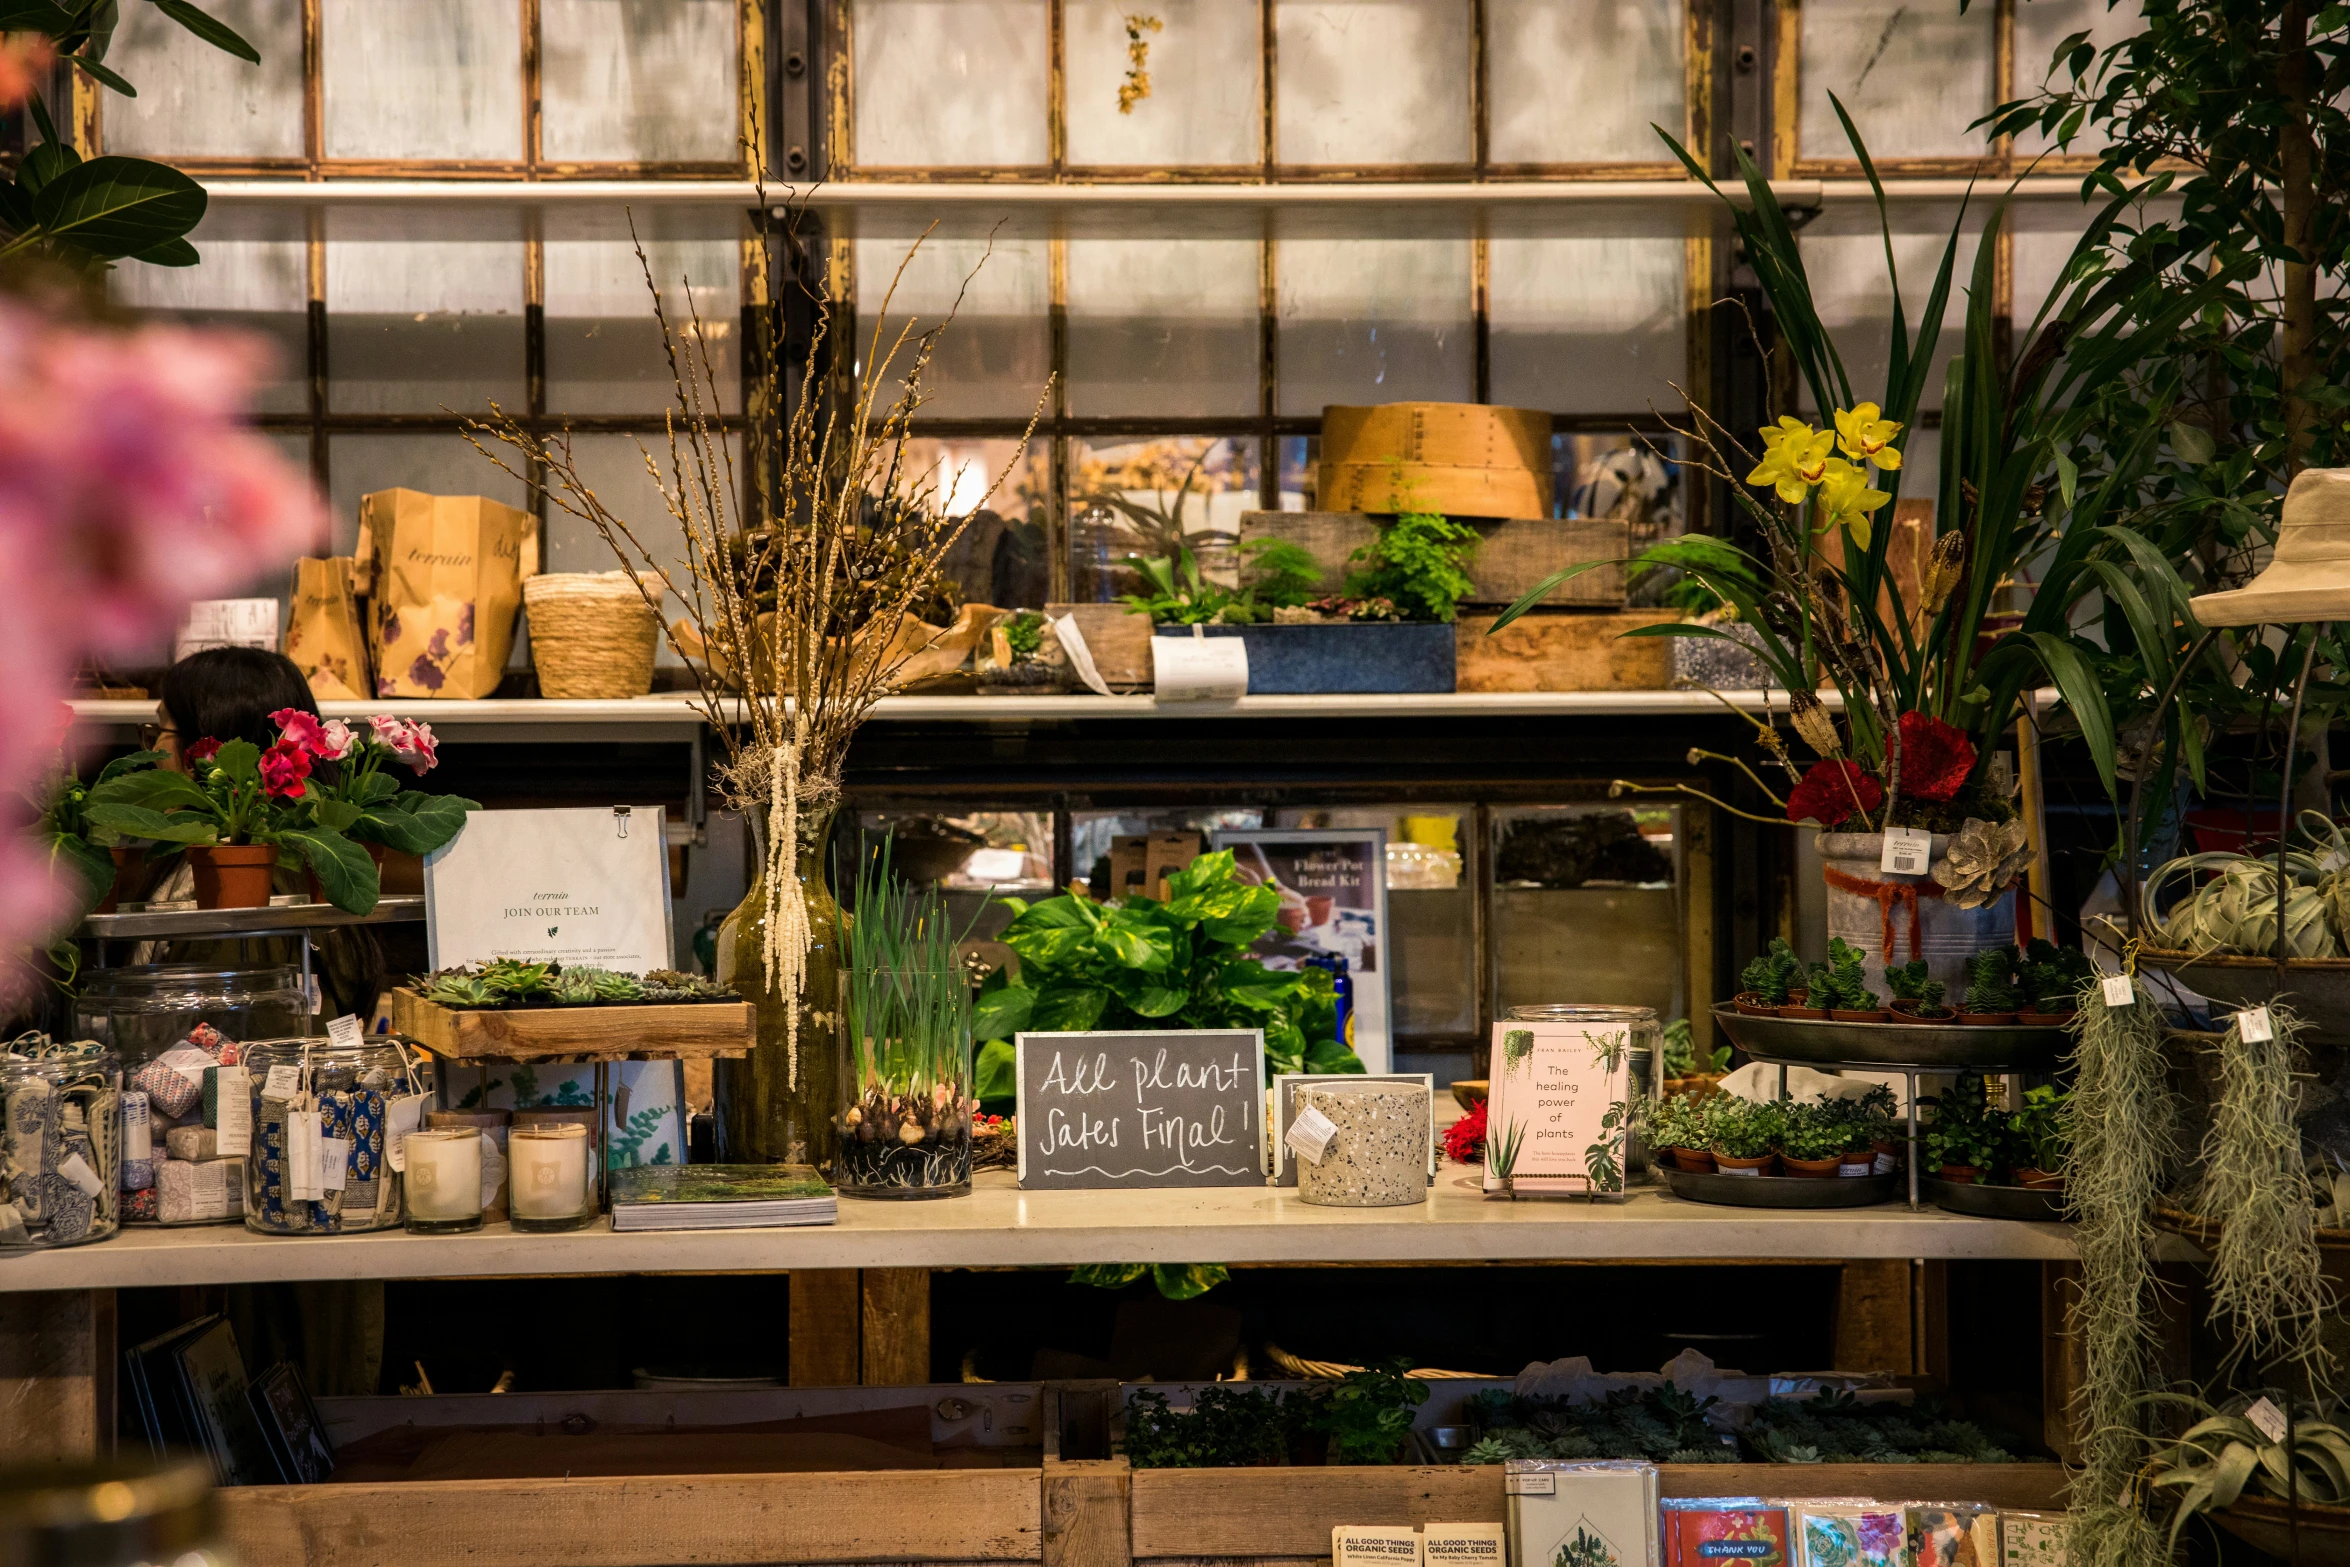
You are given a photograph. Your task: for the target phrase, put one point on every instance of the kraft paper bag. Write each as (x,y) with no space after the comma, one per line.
(324,635)
(447,576)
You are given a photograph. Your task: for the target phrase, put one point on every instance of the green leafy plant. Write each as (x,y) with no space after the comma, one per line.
(73,839)
(1227,1426)
(1678,1122)
(1694,557)
(1139,962)
(1743,1128)
(1908,982)
(2222,1455)
(1368,1415)
(1991,981)
(1965,1129)
(1681,1057)
(908,1014)
(1419,563)
(2036,1133)
(582,984)
(2050,976)
(1175,1280)
(1278,573)
(1662,1424)
(1821,1130)
(1837,1428)
(1774,974)
(1024,634)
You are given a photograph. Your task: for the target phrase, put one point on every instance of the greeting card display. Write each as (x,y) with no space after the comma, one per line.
(1558,1112)
(1569,1514)
(1833,1533)
(1725,1531)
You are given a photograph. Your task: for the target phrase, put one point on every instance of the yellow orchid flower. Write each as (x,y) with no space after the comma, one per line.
(1794,457)
(1846,499)
(1863,435)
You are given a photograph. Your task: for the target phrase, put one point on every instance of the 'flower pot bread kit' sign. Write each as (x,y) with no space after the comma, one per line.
(1558,1113)
(1118,1110)
(446,575)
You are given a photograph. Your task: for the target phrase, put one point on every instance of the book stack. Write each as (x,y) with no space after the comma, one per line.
(190,1394)
(720,1197)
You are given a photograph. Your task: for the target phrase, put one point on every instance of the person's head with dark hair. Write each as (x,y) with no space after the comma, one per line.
(228,693)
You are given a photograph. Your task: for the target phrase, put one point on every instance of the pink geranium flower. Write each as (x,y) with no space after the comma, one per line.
(339,740)
(297,728)
(412,743)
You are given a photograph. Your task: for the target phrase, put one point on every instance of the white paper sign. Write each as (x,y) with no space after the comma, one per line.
(233,1136)
(345,1032)
(2254,1026)
(282,1083)
(1198,669)
(334,1162)
(1907,851)
(213,623)
(1310,1134)
(2268,1418)
(566,886)
(402,1116)
(303,1135)
(1080,656)
(2119,992)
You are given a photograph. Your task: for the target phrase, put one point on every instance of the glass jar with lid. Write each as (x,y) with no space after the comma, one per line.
(1644,1041)
(144,1010)
(60,1143)
(320,1158)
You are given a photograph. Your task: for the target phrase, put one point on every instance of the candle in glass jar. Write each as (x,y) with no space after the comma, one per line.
(547,1171)
(444,1176)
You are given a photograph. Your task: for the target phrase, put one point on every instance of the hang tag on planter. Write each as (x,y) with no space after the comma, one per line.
(1198,668)
(402,1116)
(2268,1418)
(303,1135)
(1310,1134)
(2253,1026)
(2119,992)
(334,1161)
(234,1111)
(282,1083)
(1907,851)
(345,1032)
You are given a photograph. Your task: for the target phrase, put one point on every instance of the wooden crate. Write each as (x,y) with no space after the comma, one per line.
(1565,650)
(1513,556)
(692,1031)
(1461,459)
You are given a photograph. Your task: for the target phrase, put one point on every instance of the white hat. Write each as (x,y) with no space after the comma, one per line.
(2308,579)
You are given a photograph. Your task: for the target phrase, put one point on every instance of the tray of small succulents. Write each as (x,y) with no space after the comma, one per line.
(513,1010)
(1833,1152)
(2011,1015)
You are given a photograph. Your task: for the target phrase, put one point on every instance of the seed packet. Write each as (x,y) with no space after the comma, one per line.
(1568,1514)
(2031,1539)
(1464,1545)
(1374,1545)
(1953,1534)
(1725,1531)
(1849,1532)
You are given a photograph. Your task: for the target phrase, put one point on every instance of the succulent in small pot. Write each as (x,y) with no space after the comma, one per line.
(1842,987)
(1991,994)
(1772,979)
(1916,998)
(1743,1134)
(1809,1000)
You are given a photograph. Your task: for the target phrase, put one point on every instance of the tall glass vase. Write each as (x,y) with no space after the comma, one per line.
(776,1105)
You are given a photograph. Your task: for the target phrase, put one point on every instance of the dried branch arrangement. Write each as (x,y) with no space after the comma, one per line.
(797,583)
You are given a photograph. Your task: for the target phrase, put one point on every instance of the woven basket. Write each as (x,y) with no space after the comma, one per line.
(591,634)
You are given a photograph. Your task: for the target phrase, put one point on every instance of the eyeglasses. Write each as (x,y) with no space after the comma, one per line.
(150,735)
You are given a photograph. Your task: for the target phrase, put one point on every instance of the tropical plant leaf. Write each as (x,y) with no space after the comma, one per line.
(999,1014)
(171,253)
(115,206)
(104,77)
(995,1071)
(139,821)
(209,28)
(345,874)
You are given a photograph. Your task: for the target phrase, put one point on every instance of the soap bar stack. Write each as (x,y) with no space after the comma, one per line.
(181,1165)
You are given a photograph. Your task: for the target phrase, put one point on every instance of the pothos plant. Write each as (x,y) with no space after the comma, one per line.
(79,212)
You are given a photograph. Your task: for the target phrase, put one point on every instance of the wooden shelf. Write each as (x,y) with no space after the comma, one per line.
(696,1030)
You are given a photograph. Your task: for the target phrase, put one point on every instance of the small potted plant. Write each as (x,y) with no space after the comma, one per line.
(1916,999)
(2036,1133)
(1965,1141)
(1844,989)
(1812,1143)
(1807,996)
(2049,979)
(1881,1130)
(1686,1070)
(1770,981)
(1743,1134)
(1678,1128)
(233,812)
(1991,995)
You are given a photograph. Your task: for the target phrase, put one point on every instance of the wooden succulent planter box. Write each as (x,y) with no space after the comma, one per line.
(633,1031)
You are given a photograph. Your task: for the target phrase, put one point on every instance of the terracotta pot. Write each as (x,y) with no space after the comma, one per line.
(1934,1019)
(232,876)
(1752,1004)
(1858,1015)
(1960,1174)
(1731,1164)
(2038,1180)
(1798,994)
(1697,1161)
(1812,1169)
(1987,1019)
(1805,1014)
(129,866)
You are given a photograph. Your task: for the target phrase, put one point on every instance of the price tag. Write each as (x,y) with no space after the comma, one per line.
(233,1111)
(138,1129)
(2119,992)
(282,1083)
(1310,1134)
(1907,851)
(334,1160)
(402,1116)
(2253,1026)
(1198,668)
(303,1135)
(77,1169)
(2268,1418)
(1539,1482)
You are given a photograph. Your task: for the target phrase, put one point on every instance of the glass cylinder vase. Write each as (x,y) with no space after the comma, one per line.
(776,1105)
(905,1118)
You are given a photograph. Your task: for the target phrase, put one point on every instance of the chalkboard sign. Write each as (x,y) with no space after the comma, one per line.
(1139,1108)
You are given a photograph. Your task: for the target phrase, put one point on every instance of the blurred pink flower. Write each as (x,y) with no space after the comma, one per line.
(25,59)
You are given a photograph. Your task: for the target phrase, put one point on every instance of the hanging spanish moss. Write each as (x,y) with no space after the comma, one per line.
(2267,1275)
(2123,1123)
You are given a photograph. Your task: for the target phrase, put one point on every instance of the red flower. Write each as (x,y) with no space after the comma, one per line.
(1464,1140)
(201,751)
(297,728)
(283,767)
(1935,758)
(1834,792)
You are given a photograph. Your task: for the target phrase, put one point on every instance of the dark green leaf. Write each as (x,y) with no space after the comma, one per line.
(995,1071)
(136,761)
(1188,1280)
(345,874)
(43,164)
(137,821)
(34,16)
(171,253)
(338,816)
(115,206)
(91,867)
(156,788)
(420,825)
(213,31)
(1067,1008)
(105,77)
(999,1014)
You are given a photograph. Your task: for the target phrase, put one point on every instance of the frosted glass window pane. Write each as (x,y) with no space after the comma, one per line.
(640,81)
(950,83)
(1163,327)
(614,467)
(1374,321)
(1581,81)
(1373,81)
(2040,25)
(251,285)
(436,464)
(1149,477)
(1845,258)
(1206,68)
(1002,555)
(196,101)
(604,350)
(1913,79)
(413,326)
(422,78)
(996,356)
(1588,325)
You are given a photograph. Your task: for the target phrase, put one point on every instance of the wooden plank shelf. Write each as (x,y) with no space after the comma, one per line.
(694,1030)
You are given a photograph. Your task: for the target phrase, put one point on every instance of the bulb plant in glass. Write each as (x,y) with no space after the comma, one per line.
(905,1121)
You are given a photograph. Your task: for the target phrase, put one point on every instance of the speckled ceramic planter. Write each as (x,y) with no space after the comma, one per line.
(1379,1156)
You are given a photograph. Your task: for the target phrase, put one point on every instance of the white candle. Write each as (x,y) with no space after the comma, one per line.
(444,1175)
(547,1171)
